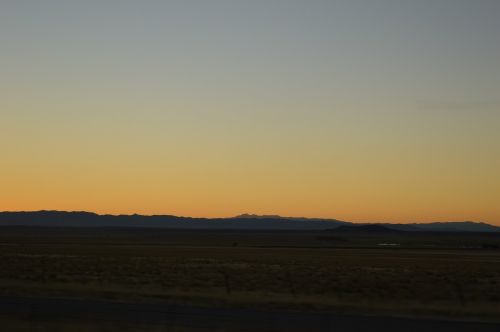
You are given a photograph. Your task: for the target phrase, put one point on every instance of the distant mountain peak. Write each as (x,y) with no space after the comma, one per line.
(257,216)
(275,216)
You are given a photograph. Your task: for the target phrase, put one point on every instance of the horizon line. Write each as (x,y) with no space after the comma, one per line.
(247,215)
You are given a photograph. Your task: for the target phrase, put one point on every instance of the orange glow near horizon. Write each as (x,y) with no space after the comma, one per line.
(323,109)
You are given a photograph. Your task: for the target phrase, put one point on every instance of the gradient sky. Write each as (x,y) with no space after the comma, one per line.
(375,110)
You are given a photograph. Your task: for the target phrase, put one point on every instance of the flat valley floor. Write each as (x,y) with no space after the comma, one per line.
(71,279)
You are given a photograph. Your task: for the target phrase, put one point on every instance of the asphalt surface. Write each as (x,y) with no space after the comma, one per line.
(186,318)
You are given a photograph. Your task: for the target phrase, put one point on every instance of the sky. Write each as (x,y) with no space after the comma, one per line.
(361,110)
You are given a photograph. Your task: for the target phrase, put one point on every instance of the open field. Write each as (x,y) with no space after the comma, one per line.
(427,275)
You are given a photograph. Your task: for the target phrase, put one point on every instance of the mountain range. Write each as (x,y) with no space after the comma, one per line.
(241,222)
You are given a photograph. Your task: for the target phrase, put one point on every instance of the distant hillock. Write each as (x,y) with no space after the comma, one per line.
(372,228)
(464,226)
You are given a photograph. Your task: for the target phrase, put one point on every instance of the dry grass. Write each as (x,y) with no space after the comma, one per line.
(370,280)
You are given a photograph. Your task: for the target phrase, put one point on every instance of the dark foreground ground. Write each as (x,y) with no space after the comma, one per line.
(44,314)
(166,280)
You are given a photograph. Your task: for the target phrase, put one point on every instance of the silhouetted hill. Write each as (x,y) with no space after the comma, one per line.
(250,222)
(372,228)
(256,216)
(85,219)
(465,226)
(460,226)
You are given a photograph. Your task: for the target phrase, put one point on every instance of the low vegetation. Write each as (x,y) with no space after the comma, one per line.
(428,282)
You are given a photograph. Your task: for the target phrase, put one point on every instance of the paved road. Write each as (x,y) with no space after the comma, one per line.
(185,318)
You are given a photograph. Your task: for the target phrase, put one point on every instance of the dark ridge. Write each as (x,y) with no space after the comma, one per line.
(243,222)
(453,226)
(365,229)
(85,219)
